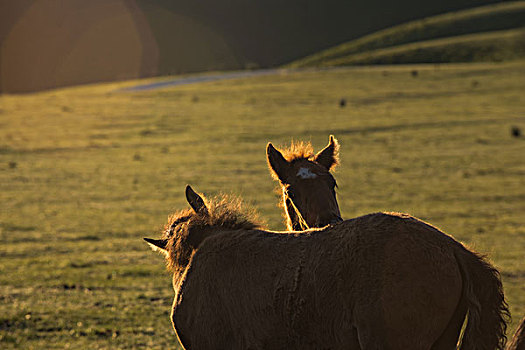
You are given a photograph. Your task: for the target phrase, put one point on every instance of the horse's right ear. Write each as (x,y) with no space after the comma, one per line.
(329,156)
(196,202)
(278,165)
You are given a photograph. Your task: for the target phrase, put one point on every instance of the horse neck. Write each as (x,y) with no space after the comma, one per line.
(188,247)
(294,220)
(181,253)
(179,273)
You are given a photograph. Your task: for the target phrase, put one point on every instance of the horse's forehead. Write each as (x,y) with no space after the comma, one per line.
(307,170)
(306,173)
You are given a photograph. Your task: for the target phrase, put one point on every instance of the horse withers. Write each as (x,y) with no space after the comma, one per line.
(380,281)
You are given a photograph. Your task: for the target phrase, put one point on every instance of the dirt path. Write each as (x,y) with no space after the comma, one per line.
(201,79)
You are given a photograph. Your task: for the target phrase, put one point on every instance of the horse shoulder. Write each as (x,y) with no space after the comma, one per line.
(224,293)
(196,315)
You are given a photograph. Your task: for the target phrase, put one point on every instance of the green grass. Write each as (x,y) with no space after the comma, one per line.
(423,32)
(86,172)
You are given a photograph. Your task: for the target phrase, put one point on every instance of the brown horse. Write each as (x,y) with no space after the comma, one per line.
(308,188)
(314,197)
(380,281)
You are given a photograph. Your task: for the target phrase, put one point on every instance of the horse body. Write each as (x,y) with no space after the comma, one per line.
(375,282)
(381,281)
(309,200)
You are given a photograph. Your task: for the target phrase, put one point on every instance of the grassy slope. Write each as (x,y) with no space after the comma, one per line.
(96,171)
(488,18)
(492,46)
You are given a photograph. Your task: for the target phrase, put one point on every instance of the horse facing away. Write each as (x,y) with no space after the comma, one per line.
(380,281)
(314,196)
(308,187)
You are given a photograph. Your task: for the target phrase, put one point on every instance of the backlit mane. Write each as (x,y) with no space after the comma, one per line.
(298,150)
(223,211)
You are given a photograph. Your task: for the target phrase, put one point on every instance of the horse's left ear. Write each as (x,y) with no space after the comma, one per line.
(329,156)
(157,244)
(196,201)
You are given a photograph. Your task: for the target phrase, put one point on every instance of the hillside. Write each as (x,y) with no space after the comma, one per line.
(435,39)
(46,44)
(492,46)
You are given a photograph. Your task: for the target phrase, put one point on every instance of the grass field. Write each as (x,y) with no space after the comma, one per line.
(86,172)
(486,33)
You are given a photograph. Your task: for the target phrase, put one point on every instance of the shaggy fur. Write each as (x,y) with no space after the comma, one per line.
(298,150)
(380,281)
(304,151)
(307,202)
(224,211)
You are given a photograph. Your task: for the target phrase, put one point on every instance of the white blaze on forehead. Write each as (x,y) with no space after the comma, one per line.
(305,173)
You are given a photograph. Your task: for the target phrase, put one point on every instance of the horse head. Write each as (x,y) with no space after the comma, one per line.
(308,187)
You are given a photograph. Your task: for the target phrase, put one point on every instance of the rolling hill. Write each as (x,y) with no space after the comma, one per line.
(46,44)
(492,32)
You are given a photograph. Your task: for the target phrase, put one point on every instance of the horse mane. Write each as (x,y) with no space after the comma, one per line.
(298,151)
(225,211)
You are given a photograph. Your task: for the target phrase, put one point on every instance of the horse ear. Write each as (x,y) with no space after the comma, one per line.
(278,165)
(157,244)
(329,156)
(195,201)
